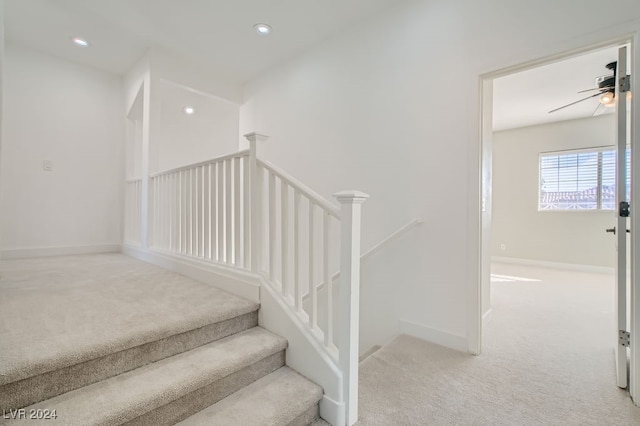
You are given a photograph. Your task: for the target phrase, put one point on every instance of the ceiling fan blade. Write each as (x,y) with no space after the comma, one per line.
(573,103)
(590,90)
(597,110)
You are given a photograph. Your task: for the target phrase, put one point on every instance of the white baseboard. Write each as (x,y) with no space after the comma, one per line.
(554,265)
(331,411)
(433,335)
(25,253)
(236,282)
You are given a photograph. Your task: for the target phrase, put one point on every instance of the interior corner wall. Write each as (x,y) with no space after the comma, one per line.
(70,115)
(391,107)
(574,237)
(1,86)
(176,139)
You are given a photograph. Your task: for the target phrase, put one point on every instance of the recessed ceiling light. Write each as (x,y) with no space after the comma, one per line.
(80,41)
(262,29)
(189,110)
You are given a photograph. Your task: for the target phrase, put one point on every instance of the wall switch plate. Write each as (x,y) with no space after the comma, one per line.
(47,165)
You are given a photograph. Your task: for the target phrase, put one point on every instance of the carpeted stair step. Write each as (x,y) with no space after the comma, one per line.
(282,398)
(170,390)
(57,337)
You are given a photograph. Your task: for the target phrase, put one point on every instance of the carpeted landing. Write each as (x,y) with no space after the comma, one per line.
(547,360)
(109,340)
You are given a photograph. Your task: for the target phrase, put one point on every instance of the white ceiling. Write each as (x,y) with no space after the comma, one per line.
(217,34)
(525,98)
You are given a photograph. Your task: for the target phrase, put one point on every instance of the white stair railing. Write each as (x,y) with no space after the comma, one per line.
(201,210)
(302,247)
(243,212)
(133,211)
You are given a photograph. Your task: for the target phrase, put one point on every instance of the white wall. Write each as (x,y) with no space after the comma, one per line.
(576,237)
(1,84)
(170,138)
(391,107)
(185,139)
(69,114)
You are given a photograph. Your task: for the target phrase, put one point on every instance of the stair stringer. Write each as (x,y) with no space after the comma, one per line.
(304,354)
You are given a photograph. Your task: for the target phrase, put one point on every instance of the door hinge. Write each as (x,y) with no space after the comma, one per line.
(624,338)
(624,209)
(625,83)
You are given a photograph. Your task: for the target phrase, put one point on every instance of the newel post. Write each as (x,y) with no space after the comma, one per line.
(255,179)
(349,305)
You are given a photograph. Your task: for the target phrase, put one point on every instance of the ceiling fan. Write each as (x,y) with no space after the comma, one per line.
(606,90)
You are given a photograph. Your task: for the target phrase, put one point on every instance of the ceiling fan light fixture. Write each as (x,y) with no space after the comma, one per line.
(607,99)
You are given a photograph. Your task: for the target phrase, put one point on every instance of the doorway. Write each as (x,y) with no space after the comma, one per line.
(499,220)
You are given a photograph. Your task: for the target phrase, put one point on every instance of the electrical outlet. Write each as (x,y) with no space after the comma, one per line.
(503,246)
(47,165)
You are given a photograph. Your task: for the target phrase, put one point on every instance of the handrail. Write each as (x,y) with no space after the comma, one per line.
(239,154)
(372,250)
(392,236)
(296,184)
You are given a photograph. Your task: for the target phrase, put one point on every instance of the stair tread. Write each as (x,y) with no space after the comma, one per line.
(59,312)
(276,399)
(129,395)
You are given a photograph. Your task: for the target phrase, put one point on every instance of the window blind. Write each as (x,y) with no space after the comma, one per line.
(579,180)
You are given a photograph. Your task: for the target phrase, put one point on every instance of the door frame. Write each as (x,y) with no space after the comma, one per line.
(480,285)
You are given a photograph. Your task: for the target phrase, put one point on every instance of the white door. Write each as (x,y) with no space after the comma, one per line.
(622,213)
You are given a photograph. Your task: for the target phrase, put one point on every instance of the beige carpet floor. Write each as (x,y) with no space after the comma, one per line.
(59,311)
(547,360)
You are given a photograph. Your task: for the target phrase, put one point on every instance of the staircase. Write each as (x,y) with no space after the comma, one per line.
(240,213)
(108,340)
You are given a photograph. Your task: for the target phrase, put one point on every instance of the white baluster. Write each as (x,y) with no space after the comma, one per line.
(199,216)
(189,211)
(206,212)
(350,218)
(168,205)
(228,225)
(183,212)
(312,288)
(162,215)
(236,211)
(176,212)
(297,291)
(272,225)
(152,211)
(220,216)
(156,211)
(326,278)
(284,239)
(246,217)
(139,205)
(194,212)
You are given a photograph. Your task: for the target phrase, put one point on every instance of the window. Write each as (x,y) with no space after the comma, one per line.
(579,180)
